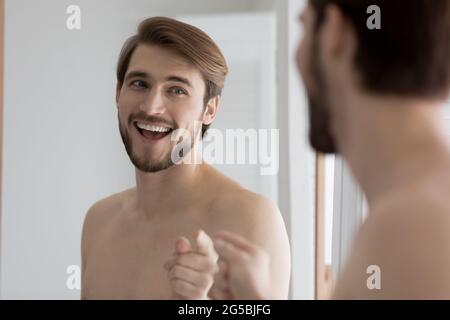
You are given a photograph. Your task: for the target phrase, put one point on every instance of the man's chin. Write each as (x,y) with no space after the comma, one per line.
(320,136)
(153,168)
(322,143)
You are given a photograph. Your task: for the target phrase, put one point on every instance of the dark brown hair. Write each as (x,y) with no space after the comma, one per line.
(410,54)
(185,40)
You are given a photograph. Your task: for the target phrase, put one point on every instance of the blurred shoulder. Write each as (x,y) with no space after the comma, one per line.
(408,238)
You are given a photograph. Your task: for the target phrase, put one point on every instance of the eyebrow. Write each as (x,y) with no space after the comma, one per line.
(179,79)
(145,75)
(137,74)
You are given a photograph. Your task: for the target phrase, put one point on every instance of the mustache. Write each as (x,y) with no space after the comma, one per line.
(142,116)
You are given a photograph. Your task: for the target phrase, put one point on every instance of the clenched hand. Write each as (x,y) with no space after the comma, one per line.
(191,270)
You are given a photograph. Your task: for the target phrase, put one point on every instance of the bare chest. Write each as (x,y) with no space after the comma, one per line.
(129,264)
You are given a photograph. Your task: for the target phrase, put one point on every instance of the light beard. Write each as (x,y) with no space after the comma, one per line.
(320,136)
(148,166)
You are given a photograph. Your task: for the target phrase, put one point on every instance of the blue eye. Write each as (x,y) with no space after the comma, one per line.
(178,91)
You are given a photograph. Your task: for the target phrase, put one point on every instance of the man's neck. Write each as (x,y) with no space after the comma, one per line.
(391,143)
(165,190)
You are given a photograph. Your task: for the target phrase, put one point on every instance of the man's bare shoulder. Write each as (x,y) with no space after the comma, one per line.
(408,238)
(244,203)
(105,210)
(105,205)
(245,212)
(232,197)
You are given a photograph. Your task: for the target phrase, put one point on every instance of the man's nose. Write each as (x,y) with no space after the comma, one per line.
(153,103)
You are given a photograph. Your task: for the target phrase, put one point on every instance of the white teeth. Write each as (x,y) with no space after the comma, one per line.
(153,128)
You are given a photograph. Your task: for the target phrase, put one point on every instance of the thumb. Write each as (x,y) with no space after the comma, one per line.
(205,244)
(182,245)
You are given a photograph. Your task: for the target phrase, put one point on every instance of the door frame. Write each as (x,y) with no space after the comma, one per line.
(349,212)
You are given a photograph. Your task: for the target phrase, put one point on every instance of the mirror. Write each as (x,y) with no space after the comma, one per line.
(62,151)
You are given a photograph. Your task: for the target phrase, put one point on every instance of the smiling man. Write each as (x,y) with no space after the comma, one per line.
(143,243)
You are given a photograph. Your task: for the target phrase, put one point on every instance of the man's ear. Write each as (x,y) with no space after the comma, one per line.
(211,110)
(118,89)
(337,35)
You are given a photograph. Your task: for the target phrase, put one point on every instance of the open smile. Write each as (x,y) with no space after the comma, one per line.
(152,132)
